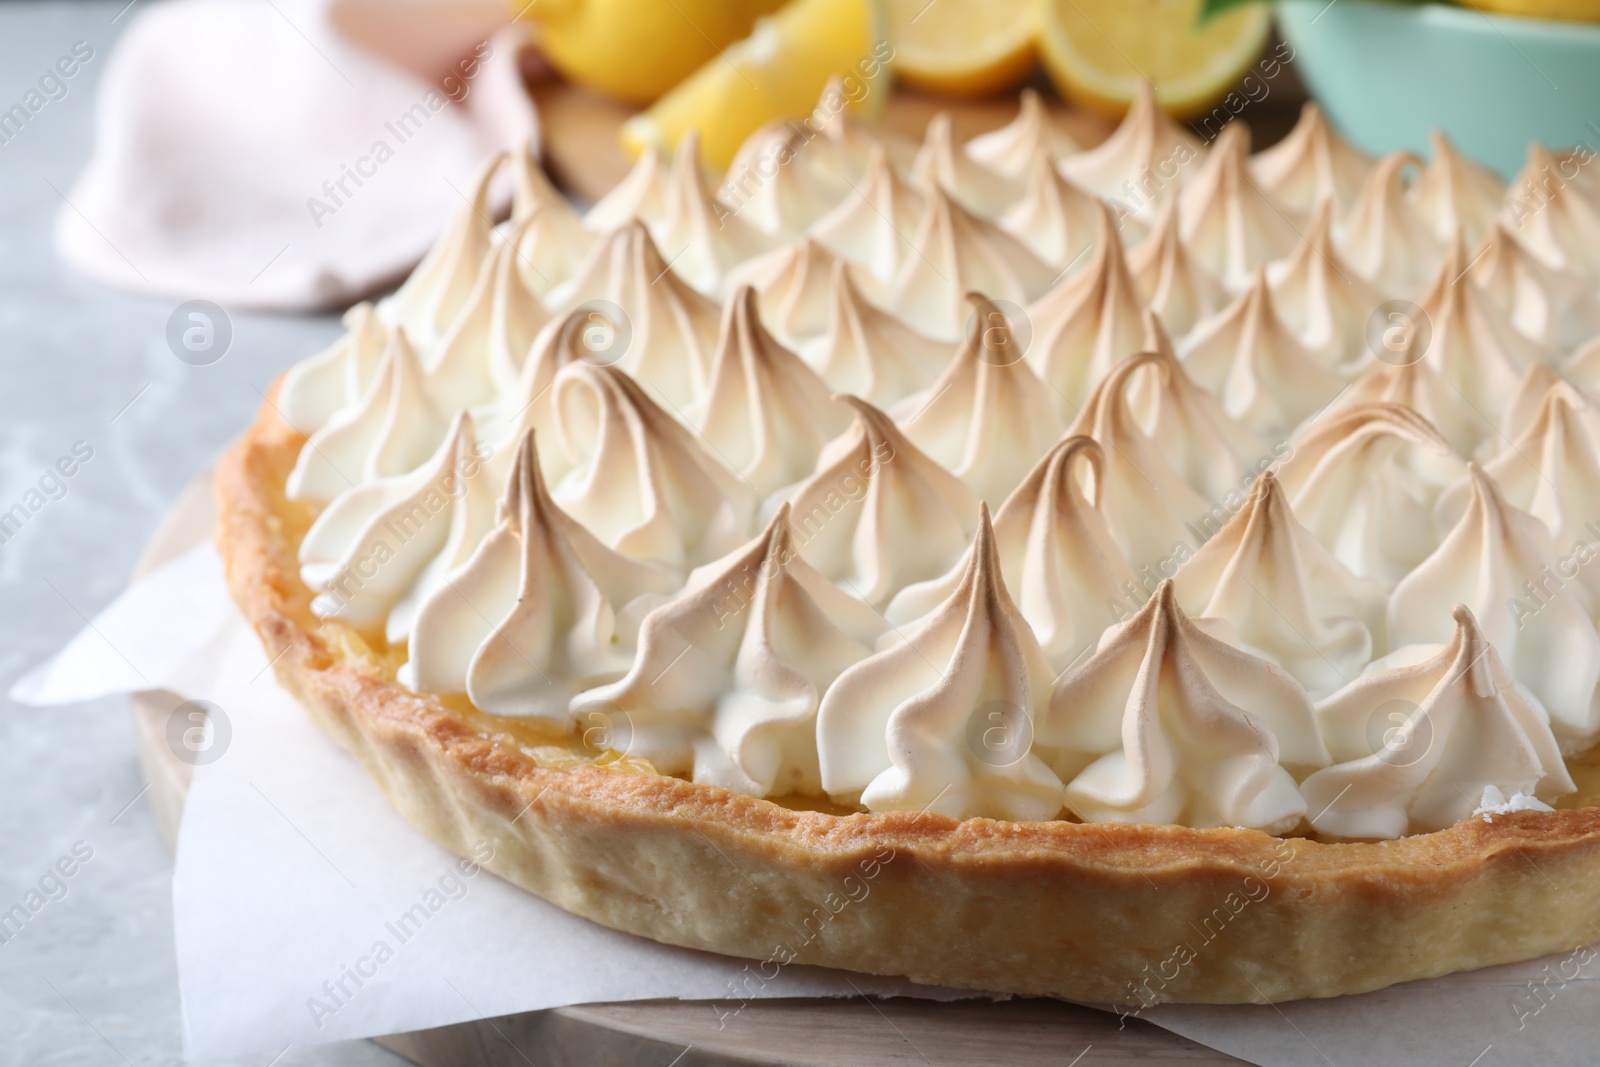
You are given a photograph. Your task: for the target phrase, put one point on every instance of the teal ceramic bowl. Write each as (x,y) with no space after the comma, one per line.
(1386,74)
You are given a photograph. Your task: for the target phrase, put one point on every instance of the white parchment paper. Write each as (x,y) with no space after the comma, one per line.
(306,910)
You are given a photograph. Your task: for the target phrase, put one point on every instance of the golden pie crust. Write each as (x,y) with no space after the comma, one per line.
(1102,913)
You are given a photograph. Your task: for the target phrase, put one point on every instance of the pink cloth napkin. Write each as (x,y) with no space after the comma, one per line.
(290,154)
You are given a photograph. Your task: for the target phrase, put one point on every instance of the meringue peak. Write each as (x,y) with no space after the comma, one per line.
(1172,282)
(954,252)
(671,329)
(729,673)
(541,610)
(1083,327)
(940,165)
(1143,161)
(988,415)
(1230,226)
(941,721)
(765,413)
(1364,479)
(1496,560)
(1265,584)
(871,352)
(879,514)
(1264,376)
(1167,724)
(640,481)
(1312,164)
(1457,723)
(1018,145)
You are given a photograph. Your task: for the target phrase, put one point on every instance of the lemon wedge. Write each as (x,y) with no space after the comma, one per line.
(779,71)
(1098,51)
(636,50)
(963,47)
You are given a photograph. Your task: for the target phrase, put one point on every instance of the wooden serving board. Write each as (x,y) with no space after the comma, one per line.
(825,1033)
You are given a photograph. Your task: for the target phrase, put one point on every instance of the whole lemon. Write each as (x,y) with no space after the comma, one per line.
(636,50)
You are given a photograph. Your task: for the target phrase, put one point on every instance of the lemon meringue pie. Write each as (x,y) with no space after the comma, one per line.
(879,549)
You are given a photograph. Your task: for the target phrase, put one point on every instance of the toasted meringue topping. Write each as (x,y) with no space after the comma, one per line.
(431,298)
(1165,723)
(940,721)
(869,352)
(780,182)
(1142,163)
(1553,306)
(1214,454)
(1265,584)
(1364,479)
(766,414)
(640,482)
(1057,552)
(954,252)
(1403,377)
(383,546)
(878,514)
(1474,346)
(1311,165)
(1454,193)
(730,672)
(394,430)
(1552,471)
(1556,212)
(1257,367)
(1172,282)
(540,610)
(1053,217)
(483,350)
(1324,299)
(793,284)
(1014,148)
(940,165)
(670,330)
(873,224)
(317,388)
(1384,237)
(702,237)
(988,416)
(1497,561)
(1418,745)
(1083,327)
(1153,514)
(552,246)
(1229,224)
(641,194)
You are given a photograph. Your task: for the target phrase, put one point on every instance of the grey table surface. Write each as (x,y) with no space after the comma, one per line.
(92,979)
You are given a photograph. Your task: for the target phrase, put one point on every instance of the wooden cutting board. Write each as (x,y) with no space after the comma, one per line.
(826,1033)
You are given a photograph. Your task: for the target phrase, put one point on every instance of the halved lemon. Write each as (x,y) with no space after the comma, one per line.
(963,47)
(778,72)
(1098,51)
